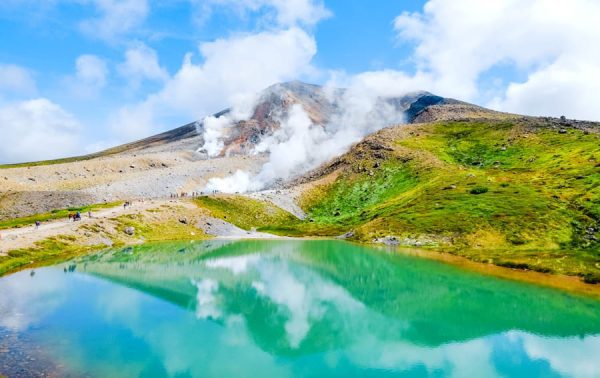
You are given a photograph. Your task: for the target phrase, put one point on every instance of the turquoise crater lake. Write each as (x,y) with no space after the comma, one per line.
(286,309)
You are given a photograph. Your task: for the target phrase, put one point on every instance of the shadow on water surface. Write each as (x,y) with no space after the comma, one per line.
(287,308)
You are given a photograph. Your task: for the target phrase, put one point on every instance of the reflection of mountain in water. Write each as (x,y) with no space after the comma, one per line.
(301,297)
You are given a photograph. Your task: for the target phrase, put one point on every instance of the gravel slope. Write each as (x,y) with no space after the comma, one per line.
(153,174)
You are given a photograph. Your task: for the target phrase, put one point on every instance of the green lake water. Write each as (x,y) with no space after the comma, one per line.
(286,309)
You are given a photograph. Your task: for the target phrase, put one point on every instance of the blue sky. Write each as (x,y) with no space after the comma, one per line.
(88,74)
(358,36)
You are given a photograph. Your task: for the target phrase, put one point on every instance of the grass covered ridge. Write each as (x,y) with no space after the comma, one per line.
(47,251)
(246,213)
(504,192)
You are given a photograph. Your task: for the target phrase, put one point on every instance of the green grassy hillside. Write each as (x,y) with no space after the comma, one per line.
(244,212)
(510,192)
(517,193)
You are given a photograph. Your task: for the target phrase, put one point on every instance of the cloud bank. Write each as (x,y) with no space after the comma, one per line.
(232,71)
(37,129)
(457,42)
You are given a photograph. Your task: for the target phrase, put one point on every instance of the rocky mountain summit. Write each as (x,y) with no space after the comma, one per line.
(320,103)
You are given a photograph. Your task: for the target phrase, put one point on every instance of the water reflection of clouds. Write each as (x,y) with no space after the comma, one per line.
(572,356)
(207,306)
(120,305)
(187,347)
(236,264)
(568,357)
(300,293)
(175,343)
(26,299)
(305,297)
(468,359)
(181,344)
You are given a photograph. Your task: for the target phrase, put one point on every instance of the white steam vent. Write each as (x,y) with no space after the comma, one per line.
(300,145)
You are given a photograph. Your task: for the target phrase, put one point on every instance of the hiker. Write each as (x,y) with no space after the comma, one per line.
(77,216)
(37,224)
(90,214)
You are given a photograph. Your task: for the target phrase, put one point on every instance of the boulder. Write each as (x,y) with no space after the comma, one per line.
(347,235)
(129,230)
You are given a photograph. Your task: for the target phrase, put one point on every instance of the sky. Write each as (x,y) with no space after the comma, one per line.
(77,76)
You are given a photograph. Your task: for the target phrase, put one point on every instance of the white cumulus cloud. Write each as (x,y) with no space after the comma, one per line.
(36,129)
(89,78)
(115,18)
(237,67)
(16,79)
(232,71)
(284,12)
(141,63)
(550,41)
(91,70)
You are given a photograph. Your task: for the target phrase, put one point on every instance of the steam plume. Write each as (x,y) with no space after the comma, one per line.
(299,145)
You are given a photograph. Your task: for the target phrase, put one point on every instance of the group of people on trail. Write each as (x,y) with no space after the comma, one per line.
(191,195)
(74,217)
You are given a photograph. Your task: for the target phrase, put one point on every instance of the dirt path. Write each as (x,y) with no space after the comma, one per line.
(25,237)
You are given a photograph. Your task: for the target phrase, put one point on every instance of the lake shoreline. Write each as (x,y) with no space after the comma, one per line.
(570,284)
(175,220)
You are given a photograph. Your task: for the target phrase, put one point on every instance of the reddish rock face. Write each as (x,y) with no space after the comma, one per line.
(320,105)
(273,106)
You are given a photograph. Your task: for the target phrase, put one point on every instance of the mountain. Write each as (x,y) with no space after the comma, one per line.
(321,105)
(499,188)
(273,104)
(168,163)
